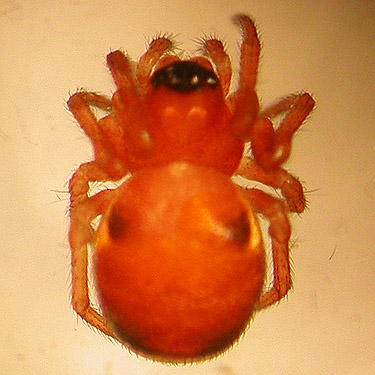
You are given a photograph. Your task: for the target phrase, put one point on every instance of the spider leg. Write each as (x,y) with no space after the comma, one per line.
(215,49)
(105,134)
(128,106)
(83,209)
(105,137)
(279,178)
(156,49)
(279,230)
(79,104)
(285,104)
(244,101)
(105,166)
(271,147)
(250,49)
(80,234)
(121,70)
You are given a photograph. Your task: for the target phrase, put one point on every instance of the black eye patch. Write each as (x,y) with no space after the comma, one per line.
(184,76)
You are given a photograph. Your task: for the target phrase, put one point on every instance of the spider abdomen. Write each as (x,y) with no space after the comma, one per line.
(181,277)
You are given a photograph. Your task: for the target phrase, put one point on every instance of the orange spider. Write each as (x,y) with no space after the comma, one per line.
(179,263)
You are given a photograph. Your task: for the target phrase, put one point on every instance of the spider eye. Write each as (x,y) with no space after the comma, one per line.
(184,76)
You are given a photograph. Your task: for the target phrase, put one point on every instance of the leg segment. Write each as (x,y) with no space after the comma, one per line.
(250,49)
(279,230)
(215,49)
(129,107)
(79,235)
(105,134)
(86,173)
(244,101)
(79,104)
(157,48)
(121,70)
(279,178)
(271,147)
(302,101)
(83,209)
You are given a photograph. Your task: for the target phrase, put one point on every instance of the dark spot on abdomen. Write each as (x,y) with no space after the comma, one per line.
(117,225)
(240,229)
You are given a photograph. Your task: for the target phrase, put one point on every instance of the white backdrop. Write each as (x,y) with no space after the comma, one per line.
(51,48)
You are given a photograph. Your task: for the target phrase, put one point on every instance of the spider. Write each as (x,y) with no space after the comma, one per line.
(178,256)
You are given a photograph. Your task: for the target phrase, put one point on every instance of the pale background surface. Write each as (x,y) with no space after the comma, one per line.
(49,49)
